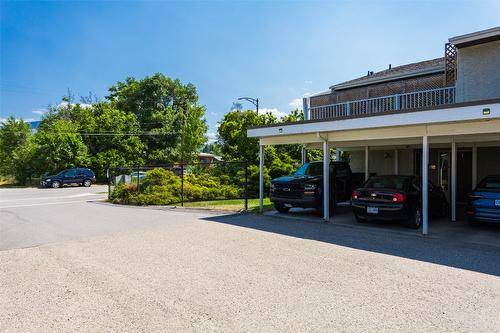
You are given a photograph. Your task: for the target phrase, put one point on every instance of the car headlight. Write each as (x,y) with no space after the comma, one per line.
(310,187)
(47,180)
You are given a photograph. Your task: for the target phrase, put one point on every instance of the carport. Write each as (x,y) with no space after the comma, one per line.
(470,125)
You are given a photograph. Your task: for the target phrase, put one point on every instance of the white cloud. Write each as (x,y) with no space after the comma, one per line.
(39,111)
(296,103)
(274,111)
(2,120)
(212,137)
(82,105)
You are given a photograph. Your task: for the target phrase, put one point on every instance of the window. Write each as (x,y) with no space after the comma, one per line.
(490,183)
(341,170)
(70,173)
(394,183)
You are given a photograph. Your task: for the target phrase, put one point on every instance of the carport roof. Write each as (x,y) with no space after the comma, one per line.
(446,114)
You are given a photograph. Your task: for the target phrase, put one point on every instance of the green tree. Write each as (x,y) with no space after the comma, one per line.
(58,146)
(167,108)
(116,140)
(14,142)
(233,139)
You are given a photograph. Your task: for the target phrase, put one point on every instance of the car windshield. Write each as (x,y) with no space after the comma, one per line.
(61,173)
(310,169)
(394,183)
(490,183)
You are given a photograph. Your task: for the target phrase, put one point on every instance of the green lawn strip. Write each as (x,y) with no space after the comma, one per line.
(231,204)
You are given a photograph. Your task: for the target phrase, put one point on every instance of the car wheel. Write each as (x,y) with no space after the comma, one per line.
(359,219)
(472,222)
(87,183)
(415,221)
(444,209)
(281,207)
(56,184)
(333,205)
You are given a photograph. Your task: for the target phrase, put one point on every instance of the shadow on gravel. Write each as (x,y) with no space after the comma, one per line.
(478,258)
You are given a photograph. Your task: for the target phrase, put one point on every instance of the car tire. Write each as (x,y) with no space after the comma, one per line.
(281,207)
(415,220)
(87,183)
(472,222)
(359,219)
(56,184)
(333,206)
(443,211)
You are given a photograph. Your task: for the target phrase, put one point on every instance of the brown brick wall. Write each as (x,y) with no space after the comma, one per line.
(428,82)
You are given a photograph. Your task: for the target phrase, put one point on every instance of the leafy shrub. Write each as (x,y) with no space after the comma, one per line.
(163,187)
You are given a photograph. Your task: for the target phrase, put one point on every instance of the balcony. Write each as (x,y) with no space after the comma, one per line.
(381,105)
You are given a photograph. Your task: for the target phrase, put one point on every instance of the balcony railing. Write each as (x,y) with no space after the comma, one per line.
(408,101)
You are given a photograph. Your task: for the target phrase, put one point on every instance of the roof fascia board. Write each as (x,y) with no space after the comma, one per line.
(475,38)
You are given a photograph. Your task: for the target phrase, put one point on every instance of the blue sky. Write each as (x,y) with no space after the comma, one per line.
(277,51)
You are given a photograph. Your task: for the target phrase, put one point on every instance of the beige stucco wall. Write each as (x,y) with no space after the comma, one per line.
(488,162)
(381,162)
(478,72)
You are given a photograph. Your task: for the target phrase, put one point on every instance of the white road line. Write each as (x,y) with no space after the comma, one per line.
(48,197)
(44,204)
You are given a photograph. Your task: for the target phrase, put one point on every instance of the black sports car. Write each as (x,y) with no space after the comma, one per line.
(396,197)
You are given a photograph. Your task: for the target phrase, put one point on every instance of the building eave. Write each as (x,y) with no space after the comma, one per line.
(475,38)
(447,113)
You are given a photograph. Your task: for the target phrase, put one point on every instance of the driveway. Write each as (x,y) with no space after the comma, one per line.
(181,270)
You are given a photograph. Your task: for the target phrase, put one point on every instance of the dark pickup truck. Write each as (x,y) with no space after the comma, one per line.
(304,187)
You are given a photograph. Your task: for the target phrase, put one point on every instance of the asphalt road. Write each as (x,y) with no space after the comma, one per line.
(35,216)
(113,268)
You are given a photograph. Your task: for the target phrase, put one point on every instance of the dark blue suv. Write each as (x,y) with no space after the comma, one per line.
(484,201)
(79,176)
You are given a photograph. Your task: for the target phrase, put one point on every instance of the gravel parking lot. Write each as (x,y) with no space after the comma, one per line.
(195,271)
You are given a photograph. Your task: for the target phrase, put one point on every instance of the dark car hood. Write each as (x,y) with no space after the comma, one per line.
(295,179)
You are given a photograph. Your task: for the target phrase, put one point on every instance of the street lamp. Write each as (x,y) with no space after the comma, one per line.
(254,101)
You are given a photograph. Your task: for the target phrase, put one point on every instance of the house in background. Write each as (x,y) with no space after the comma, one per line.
(438,118)
(207,159)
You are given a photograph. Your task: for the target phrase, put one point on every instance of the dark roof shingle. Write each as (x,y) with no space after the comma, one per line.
(393,72)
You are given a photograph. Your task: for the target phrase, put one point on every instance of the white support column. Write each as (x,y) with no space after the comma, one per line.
(396,161)
(304,155)
(425,186)
(367,163)
(453,181)
(261,179)
(337,154)
(326,181)
(474,166)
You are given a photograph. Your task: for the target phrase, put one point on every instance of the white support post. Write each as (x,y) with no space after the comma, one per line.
(425,185)
(304,155)
(474,166)
(337,154)
(326,181)
(261,179)
(453,181)
(367,163)
(396,161)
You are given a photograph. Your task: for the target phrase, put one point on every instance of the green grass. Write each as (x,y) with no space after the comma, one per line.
(231,204)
